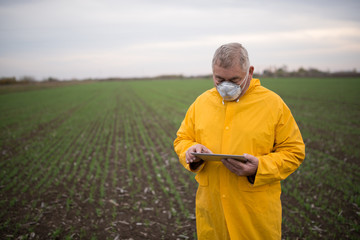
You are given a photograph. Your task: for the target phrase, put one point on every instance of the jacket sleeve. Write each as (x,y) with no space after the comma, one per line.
(288,151)
(186,138)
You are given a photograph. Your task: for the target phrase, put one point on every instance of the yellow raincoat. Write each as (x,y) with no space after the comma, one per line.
(229,206)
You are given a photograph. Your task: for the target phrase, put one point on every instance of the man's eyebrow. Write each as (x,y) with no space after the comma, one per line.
(231,79)
(217,76)
(234,78)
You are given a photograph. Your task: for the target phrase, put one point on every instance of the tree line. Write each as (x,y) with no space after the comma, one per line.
(269,72)
(302,72)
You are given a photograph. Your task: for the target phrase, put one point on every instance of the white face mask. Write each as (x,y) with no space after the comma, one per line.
(230,91)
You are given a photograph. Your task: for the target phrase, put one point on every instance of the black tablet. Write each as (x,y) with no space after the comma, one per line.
(218,157)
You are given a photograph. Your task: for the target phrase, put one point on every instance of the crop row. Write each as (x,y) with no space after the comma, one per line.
(105,156)
(97,161)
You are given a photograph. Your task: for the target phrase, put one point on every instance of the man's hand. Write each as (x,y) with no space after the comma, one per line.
(242,169)
(198,148)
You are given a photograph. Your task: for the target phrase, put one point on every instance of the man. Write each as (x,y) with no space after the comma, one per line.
(237,200)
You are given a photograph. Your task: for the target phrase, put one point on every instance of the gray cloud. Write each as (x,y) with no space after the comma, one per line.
(135,38)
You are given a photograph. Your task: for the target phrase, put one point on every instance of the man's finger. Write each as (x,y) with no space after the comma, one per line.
(252,159)
(236,162)
(232,166)
(249,157)
(227,164)
(197,149)
(206,150)
(187,157)
(233,163)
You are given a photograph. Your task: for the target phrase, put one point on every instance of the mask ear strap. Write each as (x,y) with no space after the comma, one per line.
(243,84)
(244,81)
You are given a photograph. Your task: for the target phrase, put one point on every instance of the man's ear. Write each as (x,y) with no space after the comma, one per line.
(251,70)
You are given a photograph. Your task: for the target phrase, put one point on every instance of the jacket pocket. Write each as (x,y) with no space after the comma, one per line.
(202,179)
(245,185)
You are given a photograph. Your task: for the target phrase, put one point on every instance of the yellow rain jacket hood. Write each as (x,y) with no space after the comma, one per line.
(229,206)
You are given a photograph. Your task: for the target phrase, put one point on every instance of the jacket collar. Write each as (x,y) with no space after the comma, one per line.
(253,83)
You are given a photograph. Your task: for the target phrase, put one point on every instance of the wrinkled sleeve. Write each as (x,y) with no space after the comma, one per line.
(186,138)
(288,151)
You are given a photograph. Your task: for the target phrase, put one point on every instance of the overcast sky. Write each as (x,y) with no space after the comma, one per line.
(135,38)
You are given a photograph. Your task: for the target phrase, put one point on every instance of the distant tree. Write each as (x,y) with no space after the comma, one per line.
(51,79)
(301,72)
(7,80)
(282,71)
(313,72)
(268,73)
(27,79)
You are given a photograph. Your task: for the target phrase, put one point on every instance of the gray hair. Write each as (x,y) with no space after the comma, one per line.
(230,54)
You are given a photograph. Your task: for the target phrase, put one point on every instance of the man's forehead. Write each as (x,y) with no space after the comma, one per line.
(234,69)
(228,63)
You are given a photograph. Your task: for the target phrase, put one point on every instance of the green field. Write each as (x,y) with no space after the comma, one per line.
(96,160)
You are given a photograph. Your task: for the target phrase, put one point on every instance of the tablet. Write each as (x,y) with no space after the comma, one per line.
(218,157)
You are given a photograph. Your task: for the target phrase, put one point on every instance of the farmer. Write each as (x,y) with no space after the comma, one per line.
(237,200)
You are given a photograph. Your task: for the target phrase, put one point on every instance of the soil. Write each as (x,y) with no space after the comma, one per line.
(135,204)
